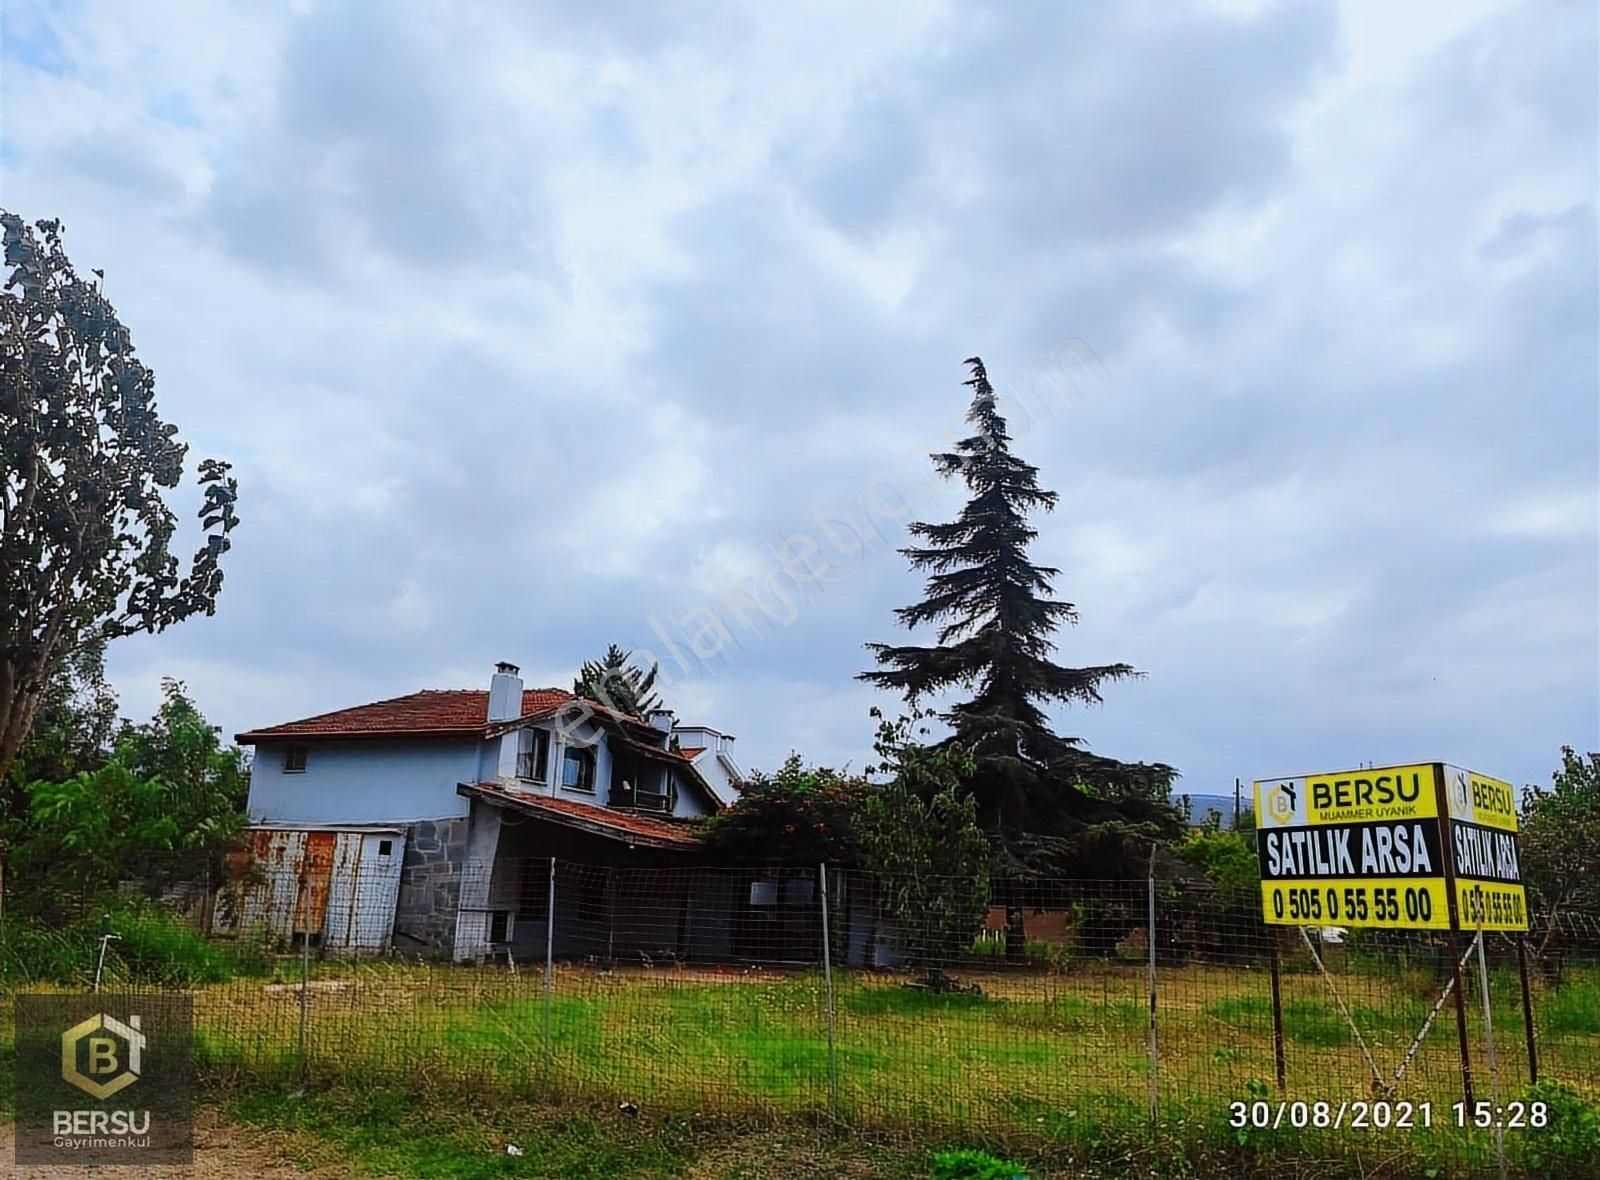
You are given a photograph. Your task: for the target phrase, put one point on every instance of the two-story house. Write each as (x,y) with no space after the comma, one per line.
(429,822)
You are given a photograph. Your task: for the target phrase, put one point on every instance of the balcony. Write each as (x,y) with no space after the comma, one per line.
(637,788)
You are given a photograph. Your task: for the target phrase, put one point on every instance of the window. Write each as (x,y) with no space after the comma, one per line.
(385,847)
(294,759)
(533,754)
(577,768)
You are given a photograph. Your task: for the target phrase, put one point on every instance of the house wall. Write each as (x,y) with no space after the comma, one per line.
(716,764)
(429,894)
(690,803)
(344,903)
(497,760)
(363,782)
(362,892)
(602,767)
(477,881)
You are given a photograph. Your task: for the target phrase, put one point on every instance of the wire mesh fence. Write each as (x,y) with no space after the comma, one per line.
(1062,1006)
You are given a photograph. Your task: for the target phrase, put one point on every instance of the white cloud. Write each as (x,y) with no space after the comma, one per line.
(527,326)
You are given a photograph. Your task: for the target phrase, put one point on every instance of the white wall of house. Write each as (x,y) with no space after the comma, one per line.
(363,782)
(689,803)
(499,763)
(592,737)
(367,782)
(715,764)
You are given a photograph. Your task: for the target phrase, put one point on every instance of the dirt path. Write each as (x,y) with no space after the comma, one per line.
(222,1152)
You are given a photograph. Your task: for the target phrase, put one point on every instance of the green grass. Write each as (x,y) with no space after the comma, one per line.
(1311,1022)
(1572,1010)
(1046,1068)
(152,947)
(425,1135)
(8,1050)
(392,1133)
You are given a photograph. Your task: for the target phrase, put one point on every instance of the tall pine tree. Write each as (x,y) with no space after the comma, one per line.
(1049,805)
(616,682)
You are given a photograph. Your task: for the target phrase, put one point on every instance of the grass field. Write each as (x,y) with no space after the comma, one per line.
(1053,1065)
(733,1067)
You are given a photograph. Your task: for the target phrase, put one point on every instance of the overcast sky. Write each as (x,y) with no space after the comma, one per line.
(531,328)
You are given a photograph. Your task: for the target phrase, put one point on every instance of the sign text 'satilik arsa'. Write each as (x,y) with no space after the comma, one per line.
(1405,847)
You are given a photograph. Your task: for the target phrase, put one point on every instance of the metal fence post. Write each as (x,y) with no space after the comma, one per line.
(1527,1010)
(827,983)
(1150,939)
(305,1002)
(549,969)
(105,940)
(1276,968)
(1456,958)
(1488,1045)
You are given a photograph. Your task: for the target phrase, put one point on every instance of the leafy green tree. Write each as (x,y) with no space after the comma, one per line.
(800,816)
(209,779)
(616,682)
(87,833)
(1049,805)
(72,730)
(72,734)
(1560,843)
(76,722)
(162,810)
(921,841)
(85,533)
(1228,862)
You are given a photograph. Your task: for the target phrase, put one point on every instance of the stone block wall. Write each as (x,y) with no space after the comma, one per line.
(430,887)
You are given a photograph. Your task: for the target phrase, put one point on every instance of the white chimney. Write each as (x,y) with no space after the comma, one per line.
(505,693)
(662,719)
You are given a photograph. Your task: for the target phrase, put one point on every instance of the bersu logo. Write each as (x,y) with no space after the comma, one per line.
(113,1056)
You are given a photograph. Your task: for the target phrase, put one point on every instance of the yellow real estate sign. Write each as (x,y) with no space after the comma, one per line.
(1484,851)
(1369,847)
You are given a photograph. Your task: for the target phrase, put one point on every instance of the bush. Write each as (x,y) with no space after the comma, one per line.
(31,952)
(152,946)
(1569,1144)
(974,1165)
(155,947)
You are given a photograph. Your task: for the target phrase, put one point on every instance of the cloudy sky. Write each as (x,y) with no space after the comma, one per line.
(530,328)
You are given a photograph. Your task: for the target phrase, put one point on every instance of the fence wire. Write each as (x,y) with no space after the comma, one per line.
(1060,1007)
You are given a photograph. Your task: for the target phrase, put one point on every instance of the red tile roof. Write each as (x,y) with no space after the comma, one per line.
(430,713)
(629,826)
(692,752)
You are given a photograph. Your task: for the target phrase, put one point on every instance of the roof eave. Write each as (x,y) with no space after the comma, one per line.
(257,736)
(687,843)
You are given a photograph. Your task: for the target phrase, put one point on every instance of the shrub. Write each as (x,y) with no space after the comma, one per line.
(155,947)
(799,816)
(31,952)
(974,1165)
(1569,1144)
(152,946)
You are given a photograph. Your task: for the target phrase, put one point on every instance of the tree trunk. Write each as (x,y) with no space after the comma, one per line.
(1016,933)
